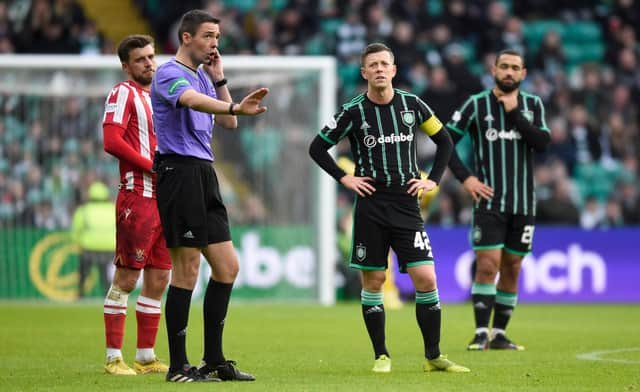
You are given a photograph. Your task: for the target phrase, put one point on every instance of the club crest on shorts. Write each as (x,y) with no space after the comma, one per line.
(477,234)
(139,254)
(528,114)
(361,252)
(408,117)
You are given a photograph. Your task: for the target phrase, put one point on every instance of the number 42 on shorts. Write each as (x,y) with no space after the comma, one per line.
(421,241)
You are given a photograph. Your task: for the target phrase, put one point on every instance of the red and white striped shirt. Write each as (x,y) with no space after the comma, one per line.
(130,137)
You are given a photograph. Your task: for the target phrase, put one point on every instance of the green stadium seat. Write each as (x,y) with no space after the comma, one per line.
(582,32)
(315,46)
(349,74)
(534,31)
(242,5)
(329,26)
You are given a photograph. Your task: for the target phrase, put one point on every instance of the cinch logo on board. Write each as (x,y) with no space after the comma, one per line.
(558,271)
(370,141)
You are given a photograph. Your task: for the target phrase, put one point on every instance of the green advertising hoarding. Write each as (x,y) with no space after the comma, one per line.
(277,263)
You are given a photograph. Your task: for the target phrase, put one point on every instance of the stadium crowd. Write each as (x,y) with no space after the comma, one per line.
(582,60)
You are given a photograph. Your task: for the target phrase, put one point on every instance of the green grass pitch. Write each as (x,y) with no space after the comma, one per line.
(312,348)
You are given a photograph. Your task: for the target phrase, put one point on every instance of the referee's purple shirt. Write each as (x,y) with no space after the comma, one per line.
(180,130)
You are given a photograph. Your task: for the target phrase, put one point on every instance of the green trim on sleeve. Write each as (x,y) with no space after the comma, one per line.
(176,83)
(326,139)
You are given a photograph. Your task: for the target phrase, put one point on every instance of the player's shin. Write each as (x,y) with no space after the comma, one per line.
(428,315)
(374,319)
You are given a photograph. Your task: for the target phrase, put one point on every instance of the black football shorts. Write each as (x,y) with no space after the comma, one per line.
(189,203)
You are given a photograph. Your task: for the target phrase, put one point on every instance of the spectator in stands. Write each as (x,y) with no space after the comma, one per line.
(560,208)
(550,58)
(492,28)
(402,42)
(290,32)
(591,94)
(629,200)
(454,61)
(71,17)
(410,11)
(592,214)
(628,73)
(90,39)
(612,214)
(456,15)
(351,37)
(561,146)
(617,137)
(379,24)
(586,137)
(512,36)
(418,78)
(94,230)
(439,37)
(441,92)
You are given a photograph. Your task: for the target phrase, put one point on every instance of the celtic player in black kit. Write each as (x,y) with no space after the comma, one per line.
(506,126)
(382,126)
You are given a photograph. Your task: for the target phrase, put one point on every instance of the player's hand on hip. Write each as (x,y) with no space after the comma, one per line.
(416,185)
(250,105)
(477,189)
(360,185)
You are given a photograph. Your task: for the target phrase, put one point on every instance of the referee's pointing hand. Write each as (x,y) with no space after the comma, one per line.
(250,105)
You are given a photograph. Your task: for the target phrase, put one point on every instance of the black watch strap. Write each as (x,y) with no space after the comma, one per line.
(221,82)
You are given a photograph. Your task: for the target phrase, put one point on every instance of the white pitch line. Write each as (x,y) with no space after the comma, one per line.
(597,355)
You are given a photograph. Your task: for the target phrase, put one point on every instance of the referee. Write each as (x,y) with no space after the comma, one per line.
(185,92)
(381,126)
(506,126)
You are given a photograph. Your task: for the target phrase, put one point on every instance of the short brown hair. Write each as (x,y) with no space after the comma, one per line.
(191,20)
(131,42)
(374,48)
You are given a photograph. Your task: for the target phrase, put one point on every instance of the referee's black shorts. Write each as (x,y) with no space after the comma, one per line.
(189,202)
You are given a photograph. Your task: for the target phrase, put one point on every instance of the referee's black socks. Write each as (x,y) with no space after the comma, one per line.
(216,303)
(177,317)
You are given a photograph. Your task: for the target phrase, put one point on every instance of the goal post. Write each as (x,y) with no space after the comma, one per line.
(281,205)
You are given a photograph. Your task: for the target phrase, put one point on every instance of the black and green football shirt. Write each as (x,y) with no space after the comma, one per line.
(383,137)
(502,158)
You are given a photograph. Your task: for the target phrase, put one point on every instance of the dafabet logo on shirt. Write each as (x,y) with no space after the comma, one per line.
(371,141)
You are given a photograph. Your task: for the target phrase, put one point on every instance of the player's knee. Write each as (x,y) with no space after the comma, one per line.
(226,272)
(126,279)
(511,268)
(373,280)
(486,269)
(156,284)
(161,281)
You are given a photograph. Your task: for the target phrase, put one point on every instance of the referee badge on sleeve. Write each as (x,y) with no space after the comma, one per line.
(361,252)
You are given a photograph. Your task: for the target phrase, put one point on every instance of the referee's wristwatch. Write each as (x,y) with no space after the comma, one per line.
(221,82)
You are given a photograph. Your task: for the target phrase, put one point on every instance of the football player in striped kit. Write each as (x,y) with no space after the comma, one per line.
(140,244)
(507,126)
